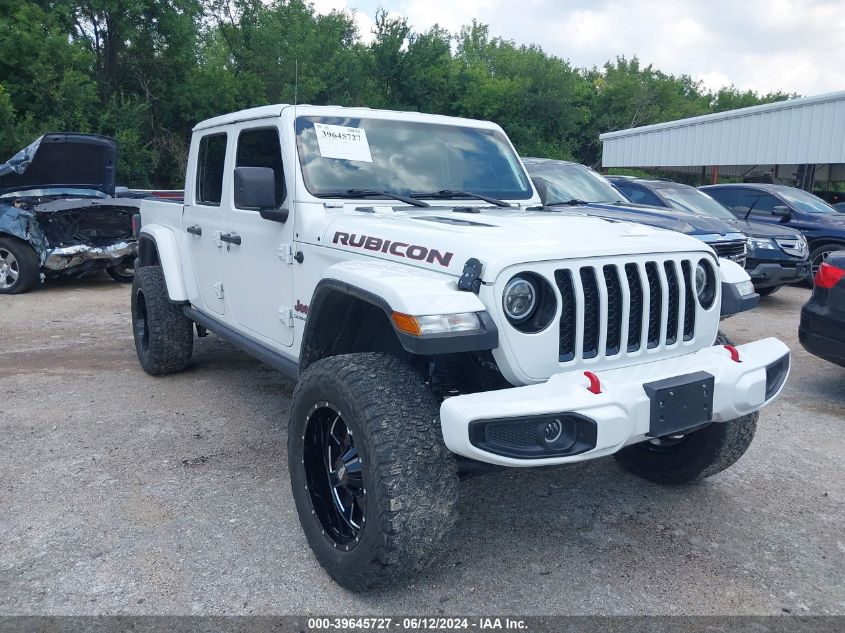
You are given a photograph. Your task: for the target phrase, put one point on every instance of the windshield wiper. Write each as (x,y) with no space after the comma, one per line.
(369,193)
(449,193)
(574,202)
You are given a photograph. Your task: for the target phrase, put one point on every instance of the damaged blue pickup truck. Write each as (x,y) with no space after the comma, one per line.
(58,213)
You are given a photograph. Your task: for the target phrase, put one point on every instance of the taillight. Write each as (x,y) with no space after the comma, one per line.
(828,276)
(136,225)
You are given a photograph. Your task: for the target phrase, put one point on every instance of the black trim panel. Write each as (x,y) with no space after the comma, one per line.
(734,303)
(258,351)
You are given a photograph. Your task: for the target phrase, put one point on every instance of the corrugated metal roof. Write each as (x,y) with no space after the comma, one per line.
(810,130)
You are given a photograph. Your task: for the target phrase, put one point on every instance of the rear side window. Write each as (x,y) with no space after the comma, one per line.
(212,157)
(728,197)
(261,148)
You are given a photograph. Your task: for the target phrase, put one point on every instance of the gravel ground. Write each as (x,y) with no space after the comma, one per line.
(124,493)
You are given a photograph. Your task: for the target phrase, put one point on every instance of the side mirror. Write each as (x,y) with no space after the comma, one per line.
(782,212)
(255,188)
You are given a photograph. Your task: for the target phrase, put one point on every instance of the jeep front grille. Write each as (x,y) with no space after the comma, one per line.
(619,309)
(734,250)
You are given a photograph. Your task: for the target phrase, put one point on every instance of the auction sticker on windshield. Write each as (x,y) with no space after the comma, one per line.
(339,141)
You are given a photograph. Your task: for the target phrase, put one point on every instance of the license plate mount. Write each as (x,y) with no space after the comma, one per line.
(680,404)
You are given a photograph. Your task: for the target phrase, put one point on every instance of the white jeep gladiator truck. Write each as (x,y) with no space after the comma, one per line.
(438,320)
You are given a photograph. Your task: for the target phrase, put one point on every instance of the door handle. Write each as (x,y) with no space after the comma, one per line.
(194,230)
(231,238)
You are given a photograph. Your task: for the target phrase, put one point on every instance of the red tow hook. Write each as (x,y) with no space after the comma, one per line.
(595,383)
(734,353)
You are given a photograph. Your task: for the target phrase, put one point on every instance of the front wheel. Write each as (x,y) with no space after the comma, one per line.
(819,256)
(19,267)
(681,459)
(373,483)
(124,271)
(766,292)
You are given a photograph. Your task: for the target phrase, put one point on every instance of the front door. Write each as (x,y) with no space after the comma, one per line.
(258,271)
(204,217)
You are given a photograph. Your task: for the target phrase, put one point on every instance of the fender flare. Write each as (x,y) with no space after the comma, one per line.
(166,254)
(394,288)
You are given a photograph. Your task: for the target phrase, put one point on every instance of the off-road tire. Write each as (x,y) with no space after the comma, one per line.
(410,478)
(28,267)
(164,336)
(698,455)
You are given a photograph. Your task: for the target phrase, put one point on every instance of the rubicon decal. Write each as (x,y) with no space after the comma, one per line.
(399,249)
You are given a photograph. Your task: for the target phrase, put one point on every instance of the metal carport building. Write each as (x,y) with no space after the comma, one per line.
(800,141)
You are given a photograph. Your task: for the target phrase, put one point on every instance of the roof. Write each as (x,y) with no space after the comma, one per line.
(269,111)
(764,186)
(797,131)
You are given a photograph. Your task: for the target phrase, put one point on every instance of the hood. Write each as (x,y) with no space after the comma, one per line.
(441,239)
(81,161)
(664,218)
(762,229)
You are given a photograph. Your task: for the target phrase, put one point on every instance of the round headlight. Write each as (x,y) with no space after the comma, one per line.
(705,284)
(520,299)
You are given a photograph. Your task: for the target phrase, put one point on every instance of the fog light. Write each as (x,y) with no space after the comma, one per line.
(552,431)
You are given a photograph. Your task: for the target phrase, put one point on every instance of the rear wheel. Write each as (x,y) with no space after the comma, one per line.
(19,267)
(164,336)
(681,459)
(373,483)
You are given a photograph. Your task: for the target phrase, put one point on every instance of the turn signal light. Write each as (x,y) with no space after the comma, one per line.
(437,323)
(828,276)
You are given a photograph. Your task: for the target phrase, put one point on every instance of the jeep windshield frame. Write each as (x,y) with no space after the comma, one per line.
(408,157)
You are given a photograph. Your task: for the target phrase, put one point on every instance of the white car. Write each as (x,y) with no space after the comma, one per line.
(438,320)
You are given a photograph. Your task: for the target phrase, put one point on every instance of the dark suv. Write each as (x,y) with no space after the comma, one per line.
(561,182)
(820,223)
(776,255)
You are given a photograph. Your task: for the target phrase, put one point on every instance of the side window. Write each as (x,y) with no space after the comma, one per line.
(728,197)
(641,195)
(760,203)
(261,148)
(210,161)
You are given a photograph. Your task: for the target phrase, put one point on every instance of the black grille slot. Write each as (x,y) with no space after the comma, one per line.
(674,302)
(614,310)
(635,315)
(689,302)
(591,312)
(568,315)
(734,250)
(655,306)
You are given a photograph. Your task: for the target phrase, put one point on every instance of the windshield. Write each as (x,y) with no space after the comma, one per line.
(406,157)
(568,181)
(695,201)
(46,192)
(806,202)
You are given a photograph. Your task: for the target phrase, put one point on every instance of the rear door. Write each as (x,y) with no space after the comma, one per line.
(258,272)
(204,216)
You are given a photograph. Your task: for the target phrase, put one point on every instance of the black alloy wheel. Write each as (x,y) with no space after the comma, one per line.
(335,476)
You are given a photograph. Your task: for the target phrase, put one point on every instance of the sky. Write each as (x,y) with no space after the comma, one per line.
(762,45)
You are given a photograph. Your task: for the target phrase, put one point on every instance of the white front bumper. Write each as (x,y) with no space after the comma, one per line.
(622,411)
